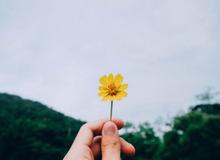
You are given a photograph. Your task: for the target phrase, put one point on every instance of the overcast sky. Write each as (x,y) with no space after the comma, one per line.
(54,52)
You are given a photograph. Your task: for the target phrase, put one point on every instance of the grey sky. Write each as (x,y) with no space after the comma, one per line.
(55,51)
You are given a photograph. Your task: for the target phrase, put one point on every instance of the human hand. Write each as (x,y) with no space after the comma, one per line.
(97,139)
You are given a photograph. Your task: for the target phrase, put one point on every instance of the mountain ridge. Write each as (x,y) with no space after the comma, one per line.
(32,128)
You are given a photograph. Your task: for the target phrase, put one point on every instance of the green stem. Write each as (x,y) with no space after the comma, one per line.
(111,110)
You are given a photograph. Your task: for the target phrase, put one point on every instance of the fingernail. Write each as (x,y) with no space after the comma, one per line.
(109,129)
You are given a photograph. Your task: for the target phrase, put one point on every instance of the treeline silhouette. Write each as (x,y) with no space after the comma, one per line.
(32,131)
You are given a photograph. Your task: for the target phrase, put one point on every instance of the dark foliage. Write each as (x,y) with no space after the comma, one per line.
(31,131)
(207,108)
(145,141)
(194,136)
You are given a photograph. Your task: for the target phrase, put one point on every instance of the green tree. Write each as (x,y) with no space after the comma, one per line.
(194,136)
(145,141)
(32,131)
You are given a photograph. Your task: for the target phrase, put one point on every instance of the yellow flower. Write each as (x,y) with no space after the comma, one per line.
(112,88)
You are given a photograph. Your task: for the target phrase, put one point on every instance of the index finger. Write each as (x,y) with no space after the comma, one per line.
(91,129)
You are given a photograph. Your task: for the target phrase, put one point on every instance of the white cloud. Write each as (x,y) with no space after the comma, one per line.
(55,51)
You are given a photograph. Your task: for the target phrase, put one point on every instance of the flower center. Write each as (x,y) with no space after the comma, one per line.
(112,89)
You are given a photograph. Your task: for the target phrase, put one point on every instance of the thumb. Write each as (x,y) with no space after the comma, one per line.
(110,144)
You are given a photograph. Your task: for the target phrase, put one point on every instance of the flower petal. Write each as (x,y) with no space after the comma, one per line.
(103,80)
(103,88)
(122,93)
(118,97)
(107,98)
(123,87)
(103,94)
(118,79)
(110,78)
(111,87)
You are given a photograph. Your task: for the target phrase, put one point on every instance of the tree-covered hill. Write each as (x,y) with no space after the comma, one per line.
(31,131)
(192,136)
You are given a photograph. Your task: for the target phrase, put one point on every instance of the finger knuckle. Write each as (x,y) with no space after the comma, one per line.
(111,144)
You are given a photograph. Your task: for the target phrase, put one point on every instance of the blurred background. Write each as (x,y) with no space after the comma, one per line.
(52,54)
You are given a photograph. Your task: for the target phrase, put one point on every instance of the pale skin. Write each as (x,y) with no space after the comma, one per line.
(99,139)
